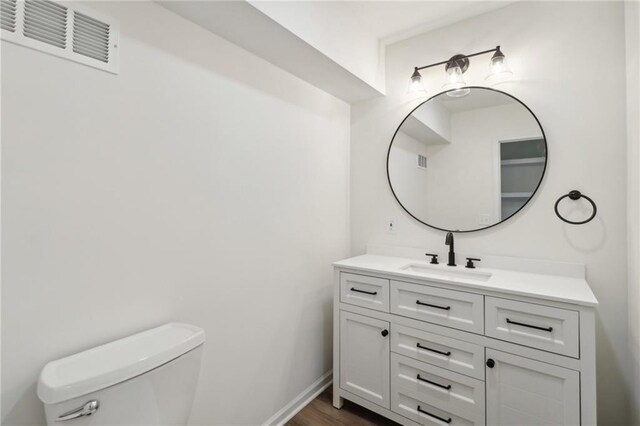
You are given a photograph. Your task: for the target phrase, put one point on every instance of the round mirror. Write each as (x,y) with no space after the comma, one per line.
(467,163)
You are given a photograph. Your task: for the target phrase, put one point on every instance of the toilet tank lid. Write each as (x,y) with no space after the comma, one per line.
(115,362)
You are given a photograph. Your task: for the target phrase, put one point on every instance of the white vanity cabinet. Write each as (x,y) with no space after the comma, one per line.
(364,344)
(525,391)
(423,350)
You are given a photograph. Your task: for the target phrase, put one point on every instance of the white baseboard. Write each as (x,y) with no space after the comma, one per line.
(301,401)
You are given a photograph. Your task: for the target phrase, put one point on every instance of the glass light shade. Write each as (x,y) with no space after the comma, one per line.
(498,69)
(416,85)
(455,81)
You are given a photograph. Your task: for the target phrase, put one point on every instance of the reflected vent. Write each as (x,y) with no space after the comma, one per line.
(46,21)
(90,37)
(422,161)
(8,15)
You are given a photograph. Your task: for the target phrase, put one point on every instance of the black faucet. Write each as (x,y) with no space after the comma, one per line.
(452,255)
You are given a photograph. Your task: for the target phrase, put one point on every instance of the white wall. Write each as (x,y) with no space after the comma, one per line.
(201,184)
(571,77)
(632,25)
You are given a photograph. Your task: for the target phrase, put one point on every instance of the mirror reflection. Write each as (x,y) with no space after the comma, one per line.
(467,163)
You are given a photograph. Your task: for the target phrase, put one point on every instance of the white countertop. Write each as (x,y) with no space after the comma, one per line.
(567,289)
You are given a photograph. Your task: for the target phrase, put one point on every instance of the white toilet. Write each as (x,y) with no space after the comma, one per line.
(146,379)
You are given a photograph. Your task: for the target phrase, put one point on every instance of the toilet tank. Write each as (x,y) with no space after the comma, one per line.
(148,378)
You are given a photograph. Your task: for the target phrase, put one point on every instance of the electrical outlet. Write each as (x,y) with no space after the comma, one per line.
(484,219)
(391,225)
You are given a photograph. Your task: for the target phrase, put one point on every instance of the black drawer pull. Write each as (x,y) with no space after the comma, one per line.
(418,345)
(434,416)
(530,326)
(373,293)
(422,379)
(446,308)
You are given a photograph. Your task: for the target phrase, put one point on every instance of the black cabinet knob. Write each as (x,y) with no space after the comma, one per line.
(491,363)
(385,333)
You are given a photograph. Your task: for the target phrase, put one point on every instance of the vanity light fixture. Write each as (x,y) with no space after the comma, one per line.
(499,68)
(416,85)
(456,66)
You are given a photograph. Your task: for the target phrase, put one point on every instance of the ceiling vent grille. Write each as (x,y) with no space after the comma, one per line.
(46,21)
(73,32)
(8,15)
(90,37)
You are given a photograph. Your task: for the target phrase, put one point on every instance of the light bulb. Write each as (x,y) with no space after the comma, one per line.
(455,80)
(498,65)
(416,85)
(498,68)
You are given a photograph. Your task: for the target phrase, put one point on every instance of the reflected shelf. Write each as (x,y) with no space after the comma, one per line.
(517,194)
(521,161)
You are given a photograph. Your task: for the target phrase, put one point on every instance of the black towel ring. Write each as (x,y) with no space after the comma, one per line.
(576,195)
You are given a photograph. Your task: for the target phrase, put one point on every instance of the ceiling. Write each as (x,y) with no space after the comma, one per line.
(333,45)
(392,21)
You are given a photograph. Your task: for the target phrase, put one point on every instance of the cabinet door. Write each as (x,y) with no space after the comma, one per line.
(364,357)
(521,391)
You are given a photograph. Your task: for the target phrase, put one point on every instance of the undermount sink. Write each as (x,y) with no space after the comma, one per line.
(442,272)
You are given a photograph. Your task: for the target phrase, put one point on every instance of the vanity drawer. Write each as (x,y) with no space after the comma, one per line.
(451,308)
(437,387)
(361,290)
(456,355)
(542,327)
(428,415)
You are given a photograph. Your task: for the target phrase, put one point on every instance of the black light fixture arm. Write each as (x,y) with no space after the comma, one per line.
(459,57)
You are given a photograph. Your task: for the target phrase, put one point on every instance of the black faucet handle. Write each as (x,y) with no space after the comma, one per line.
(470,261)
(434,258)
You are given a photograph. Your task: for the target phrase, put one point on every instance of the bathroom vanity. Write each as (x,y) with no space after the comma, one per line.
(511,342)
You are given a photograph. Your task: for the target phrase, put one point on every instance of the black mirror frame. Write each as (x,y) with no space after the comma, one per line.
(546,148)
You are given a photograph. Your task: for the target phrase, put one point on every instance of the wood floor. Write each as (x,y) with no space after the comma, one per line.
(320,412)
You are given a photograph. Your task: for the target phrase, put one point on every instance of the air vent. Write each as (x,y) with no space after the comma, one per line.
(74,32)
(90,37)
(422,161)
(8,15)
(46,21)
